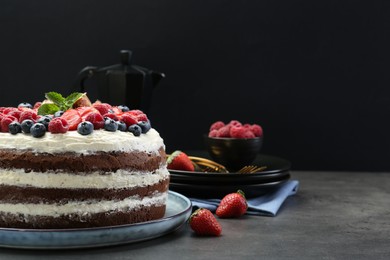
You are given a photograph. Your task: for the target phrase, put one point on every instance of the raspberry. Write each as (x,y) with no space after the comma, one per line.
(129,119)
(58,126)
(8,110)
(103,108)
(6,121)
(224,131)
(138,114)
(256,130)
(96,119)
(217,125)
(28,114)
(240,132)
(235,123)
(15,113)
(111,115)
(213,133)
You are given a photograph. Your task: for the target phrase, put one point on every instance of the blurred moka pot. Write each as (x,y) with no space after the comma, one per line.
(122,84)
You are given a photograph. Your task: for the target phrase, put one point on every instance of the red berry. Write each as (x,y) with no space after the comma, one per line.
(224,131)
(240,132)
(15,113)
(58,125)
(129,119)
(5,121)
(256,130)
(103,108)
(217,125)
(8,110)
(96,119)
(138,114)
(232,205)
(213,133)
(73,118)
(37,105)
(235,123)
(28,114)
(180,161)
(85,111)
(117,111)
(111,115)
(203,222)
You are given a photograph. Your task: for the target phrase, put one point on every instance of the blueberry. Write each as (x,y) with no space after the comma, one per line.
(26,125)
(110,125)
(135,129)
(38,130)
(122,126)
(15,128)
(85,128)
(58,113)
(26,105)
(145,126)
(45,120)
(124,108)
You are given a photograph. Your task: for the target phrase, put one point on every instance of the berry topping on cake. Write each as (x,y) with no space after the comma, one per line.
(5,121)
(129,119)
(28,114)
(25,105)
(103,108)
(45,120)
(178,160)
(111,116)
(73,118)
(58,126)
(37,105)
(123,108)
(235,129)
(26,125)
(203,223)
(38,130)
(15,128)
(110,125)
(135,129)
(58,113)
(232,205)
(145,126)
(122,126)
(85,128)
(96,119)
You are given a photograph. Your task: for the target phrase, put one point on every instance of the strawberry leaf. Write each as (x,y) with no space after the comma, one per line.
(56,98)
(48,109)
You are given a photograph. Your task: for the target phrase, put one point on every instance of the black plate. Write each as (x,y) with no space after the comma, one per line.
(218,192)
(277,168)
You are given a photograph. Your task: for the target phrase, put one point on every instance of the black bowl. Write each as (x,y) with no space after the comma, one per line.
(233,153)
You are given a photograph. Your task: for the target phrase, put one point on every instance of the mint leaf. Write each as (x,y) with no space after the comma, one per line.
(48,109)
(72,98)
(56,98)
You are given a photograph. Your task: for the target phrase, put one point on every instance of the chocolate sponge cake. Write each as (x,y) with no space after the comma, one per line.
(77,180)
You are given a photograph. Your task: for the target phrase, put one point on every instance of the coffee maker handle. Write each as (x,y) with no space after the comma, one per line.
(83,75)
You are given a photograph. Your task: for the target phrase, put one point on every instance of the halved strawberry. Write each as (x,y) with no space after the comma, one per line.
(85,111)
(129,119)
(96,119)
(72,116)
(103,108)
(117,111)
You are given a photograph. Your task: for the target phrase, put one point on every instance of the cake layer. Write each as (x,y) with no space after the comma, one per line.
(102,219)
(75,163)
(72,141)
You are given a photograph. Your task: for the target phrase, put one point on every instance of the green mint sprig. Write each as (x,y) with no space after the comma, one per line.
(59,103)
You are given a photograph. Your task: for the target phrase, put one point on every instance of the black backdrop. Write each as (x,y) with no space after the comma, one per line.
(314,74)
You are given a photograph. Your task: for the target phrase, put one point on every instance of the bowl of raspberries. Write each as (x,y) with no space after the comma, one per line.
(234,144)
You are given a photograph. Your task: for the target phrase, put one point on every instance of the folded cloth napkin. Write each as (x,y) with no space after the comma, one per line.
(265,205)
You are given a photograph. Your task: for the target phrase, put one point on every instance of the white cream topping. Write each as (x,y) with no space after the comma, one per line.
(115,180)
(82,208)
(71,141)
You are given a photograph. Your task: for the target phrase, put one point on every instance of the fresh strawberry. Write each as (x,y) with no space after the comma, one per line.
(129,119)
(217,125)
(28,114)
(85,111)
(103,108)
(232,205)
(117,111)
(138,114)
(203,222)
(58,125)
(96,119)
(73,118)
(256,130)
(180,161)
(111,115)
(237,131)
(5,121)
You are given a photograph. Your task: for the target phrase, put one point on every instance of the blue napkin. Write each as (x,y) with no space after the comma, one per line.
(265,205)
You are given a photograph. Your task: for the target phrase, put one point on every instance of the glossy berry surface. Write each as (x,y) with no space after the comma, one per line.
(85,128)
(44,120)
(145,126)
(58,126)
(122,126)
(38,130)
(26,125)
(135,129)
(110,125)
(25,105)
(124,108)
(14,128)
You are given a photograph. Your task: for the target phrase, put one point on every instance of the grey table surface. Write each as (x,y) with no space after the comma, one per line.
(334,215)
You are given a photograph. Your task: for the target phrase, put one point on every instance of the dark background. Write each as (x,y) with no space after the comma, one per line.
(314,74)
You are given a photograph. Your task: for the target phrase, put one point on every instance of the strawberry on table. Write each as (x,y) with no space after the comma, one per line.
(203,223)
(180,161)
(232,205)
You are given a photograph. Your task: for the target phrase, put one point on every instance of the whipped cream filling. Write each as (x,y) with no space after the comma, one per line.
(83,208)
(115,180)
(71,141)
